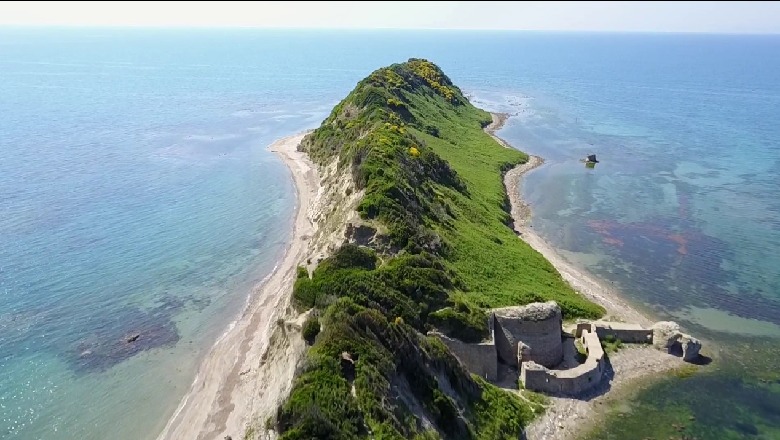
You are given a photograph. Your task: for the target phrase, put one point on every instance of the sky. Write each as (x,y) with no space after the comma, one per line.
(711,17)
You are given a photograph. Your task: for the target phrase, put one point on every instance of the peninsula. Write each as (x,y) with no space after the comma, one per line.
(406,306)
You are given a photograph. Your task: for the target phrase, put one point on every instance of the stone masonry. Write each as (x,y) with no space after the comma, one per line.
(537,326)
(530,338)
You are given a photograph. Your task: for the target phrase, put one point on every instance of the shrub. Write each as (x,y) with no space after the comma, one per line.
(465,322)
(349,256)
(611,344)
(311,328)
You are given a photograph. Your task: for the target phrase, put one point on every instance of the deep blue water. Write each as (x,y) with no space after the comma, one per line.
(137,197)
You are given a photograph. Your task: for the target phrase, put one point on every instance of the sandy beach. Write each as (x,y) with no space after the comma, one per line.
(632,366)
(249,370)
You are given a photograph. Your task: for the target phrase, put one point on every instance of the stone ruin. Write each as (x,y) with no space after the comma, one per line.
(667,336)
(530,338)
(528,333)
(573,380)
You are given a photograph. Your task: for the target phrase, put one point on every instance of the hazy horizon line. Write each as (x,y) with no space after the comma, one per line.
(352,29)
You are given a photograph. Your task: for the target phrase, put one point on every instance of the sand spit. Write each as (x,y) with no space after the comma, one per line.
(248,372)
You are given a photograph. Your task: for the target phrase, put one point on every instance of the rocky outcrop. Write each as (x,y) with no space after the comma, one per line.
(347,366)
(665,334)
(690,347)
(334,214)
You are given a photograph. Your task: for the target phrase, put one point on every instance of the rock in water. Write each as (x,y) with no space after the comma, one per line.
(691,347)
(133,338)
(592,158)
(665,334)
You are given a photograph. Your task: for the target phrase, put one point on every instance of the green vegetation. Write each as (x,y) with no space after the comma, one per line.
(686,371)
(611,344)
(432,178)
(338,398)
(311,328)
(582,352)
(433,187)
(249,434)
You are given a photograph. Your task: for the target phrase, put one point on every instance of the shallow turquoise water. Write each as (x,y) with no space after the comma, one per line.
(137,197)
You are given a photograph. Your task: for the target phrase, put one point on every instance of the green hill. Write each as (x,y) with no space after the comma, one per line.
(441,254)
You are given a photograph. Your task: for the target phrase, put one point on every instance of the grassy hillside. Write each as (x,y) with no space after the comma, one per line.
(442,254)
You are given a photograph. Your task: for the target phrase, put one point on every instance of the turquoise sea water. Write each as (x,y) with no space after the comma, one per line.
(137,198)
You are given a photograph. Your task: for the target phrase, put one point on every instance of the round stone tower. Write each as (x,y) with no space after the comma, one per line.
(529,333)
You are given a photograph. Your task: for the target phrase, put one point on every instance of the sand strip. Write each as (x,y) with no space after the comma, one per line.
(248,371)
(567,418)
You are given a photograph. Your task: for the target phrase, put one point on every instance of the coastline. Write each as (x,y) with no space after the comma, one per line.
(632,366)
(249,370)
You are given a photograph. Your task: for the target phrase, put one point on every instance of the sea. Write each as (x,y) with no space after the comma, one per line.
(139,205)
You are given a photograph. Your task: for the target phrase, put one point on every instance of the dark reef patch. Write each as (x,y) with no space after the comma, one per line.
(119,336)
(97,341)
(682,266)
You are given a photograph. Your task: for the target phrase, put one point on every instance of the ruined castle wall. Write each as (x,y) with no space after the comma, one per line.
(537,325)
(573,381)
(506,348)
(536,379)
(479,359)
(631,333)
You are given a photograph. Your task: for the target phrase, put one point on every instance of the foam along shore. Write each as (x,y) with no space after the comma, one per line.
(632,366)
(249,370)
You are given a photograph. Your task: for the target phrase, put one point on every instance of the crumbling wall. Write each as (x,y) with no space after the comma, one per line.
(505,347)
(572,381)
(530,337)
(626,332)
(479,359)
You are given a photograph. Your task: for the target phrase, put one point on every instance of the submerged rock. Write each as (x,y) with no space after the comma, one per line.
(109,344)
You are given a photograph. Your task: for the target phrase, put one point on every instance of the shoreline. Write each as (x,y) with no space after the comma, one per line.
(632,366)
(249,369)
